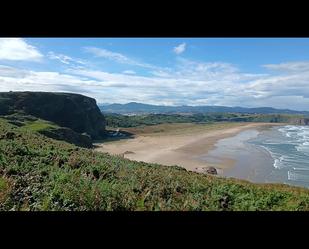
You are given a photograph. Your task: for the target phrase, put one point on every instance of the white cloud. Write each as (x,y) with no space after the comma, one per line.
(129,72)
(217,83)
(117,57)
(298,66)
(162,73)
(18,49)
(62,58)
(65,59)
(99,52)
(190,83)
(6,71)
(180,48)
(50,81)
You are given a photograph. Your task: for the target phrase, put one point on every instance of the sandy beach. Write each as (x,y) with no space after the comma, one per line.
(182,145)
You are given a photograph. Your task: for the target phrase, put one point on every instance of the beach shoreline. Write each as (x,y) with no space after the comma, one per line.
(242,159)
(185,149)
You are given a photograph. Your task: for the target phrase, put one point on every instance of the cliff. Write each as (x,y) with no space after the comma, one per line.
(75,111)
(300,121)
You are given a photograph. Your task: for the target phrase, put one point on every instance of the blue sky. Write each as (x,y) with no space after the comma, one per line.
(170,71)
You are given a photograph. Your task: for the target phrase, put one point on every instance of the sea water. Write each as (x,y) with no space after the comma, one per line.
(246,160)
(288,147)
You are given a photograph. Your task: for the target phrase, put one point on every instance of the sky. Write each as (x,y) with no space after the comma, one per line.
(247,72)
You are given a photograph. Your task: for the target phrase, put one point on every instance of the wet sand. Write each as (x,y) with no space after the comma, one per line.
(247,161)
(187,149)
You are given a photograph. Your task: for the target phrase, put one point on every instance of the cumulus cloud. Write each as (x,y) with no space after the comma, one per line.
(50,81)
(188,83)
(17,49)
(180,48)
(216,83)
(7,71)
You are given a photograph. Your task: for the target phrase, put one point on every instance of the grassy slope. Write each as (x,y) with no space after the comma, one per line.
(116,120)
(39,173)
(49,129)
(180,128)
(38,125)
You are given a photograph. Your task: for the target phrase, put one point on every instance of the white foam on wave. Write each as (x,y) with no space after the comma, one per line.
(299,137)
(303,149)
(290,150)
(290,131)
(303,132)
(296,160)
(277,164)
(297,168)
(288,134)
(269,151)
(294,176)
(291,128)
(276,157)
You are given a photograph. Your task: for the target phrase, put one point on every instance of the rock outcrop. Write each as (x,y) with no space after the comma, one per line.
(207,170)
(211,170)
(68,135)
(300,121)
(75,111)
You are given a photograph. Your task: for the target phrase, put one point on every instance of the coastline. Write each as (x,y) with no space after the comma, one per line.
(247,161)
(185,150)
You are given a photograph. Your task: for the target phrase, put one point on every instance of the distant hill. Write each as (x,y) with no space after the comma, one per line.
(138,108)
(74,111)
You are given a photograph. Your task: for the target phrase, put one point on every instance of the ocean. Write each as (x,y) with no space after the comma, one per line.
(277,154)
(288,146)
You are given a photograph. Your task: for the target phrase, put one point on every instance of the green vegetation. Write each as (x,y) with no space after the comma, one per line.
(28,122)
(179,128)
(49,129)
(39,125)
(74,111)
(40,173)
(118,120)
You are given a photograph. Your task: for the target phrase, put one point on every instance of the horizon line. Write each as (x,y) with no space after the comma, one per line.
(105,104)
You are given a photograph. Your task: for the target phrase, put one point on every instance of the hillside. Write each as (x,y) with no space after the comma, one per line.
(74,111)
(39,173)
(138,108)
(125,121)
(49,129)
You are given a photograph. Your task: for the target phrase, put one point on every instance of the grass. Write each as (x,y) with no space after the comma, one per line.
(180,128)
(39,173)
(38,125)
(118,120)
(5,186)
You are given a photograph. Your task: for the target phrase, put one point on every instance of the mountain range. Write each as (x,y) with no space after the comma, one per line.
(139,108)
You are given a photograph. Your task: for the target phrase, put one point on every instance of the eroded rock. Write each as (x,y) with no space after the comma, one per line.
(211,170)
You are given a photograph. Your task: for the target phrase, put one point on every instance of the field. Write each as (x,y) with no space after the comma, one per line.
(117,120)
(180,128)
(39,173)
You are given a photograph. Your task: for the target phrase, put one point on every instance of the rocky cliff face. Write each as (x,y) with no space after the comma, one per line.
(68,135)
(299,121)
(78,112)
